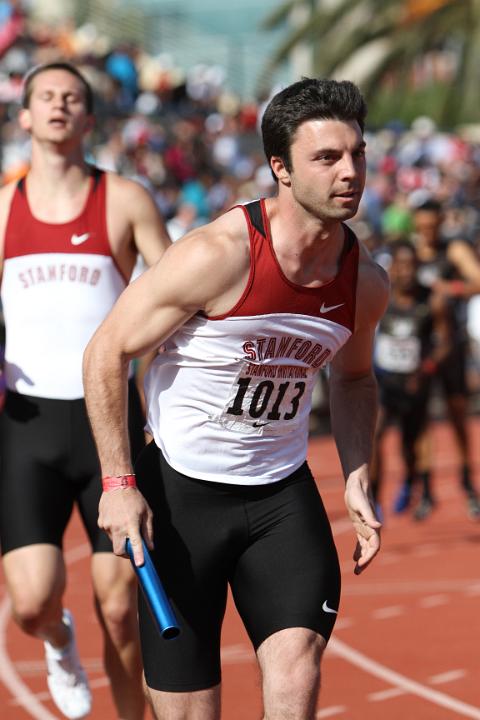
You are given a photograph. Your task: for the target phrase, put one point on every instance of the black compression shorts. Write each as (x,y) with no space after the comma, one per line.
(272,544)
(410,409)
(48,461)
(452,371)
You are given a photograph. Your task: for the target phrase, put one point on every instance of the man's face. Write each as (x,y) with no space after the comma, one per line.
(403,269)
(328,168)
(427,225)
(57,109)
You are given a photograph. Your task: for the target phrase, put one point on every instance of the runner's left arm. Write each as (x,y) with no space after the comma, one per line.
(464,258)
(353,407)
(132,206)
(149,232)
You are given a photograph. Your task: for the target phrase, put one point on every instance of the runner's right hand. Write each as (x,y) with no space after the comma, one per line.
(125,513)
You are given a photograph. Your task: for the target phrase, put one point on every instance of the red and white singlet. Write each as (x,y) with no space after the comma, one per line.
(229,399)
(59,282)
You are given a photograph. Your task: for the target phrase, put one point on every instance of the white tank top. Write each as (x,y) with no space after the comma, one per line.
(229,399)
(59,282)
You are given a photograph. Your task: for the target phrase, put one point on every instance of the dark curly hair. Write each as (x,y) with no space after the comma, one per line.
(308,99)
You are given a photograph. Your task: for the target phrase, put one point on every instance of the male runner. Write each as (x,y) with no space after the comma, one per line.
(412,341)
(249,307)
(453,269)
(69,236)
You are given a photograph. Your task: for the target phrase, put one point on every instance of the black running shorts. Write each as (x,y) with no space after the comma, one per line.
(271,543)
(48,462)
(410,409)
(452,373)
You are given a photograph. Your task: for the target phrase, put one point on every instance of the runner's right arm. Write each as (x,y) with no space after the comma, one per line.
(206,271)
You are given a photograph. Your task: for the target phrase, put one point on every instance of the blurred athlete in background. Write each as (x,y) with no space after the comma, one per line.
(412,340)
(451,268)
(70,235)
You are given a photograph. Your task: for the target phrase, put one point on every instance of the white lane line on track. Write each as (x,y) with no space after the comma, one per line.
(385,695)
(341,525)
(402,682)
(447,677)
(343,623)
(473,590)
(434,601)
(426,550)
(388,558)
(8,675)
(233,654)
(388,612)
(406,587)
(77,553)
(331,711)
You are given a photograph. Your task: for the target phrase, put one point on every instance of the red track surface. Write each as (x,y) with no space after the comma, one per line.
(406,642)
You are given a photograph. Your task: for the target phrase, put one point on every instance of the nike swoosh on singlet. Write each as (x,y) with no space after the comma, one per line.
(328,308)
(327,609)
(79,239)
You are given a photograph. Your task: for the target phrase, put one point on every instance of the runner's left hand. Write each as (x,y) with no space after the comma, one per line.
(367,527)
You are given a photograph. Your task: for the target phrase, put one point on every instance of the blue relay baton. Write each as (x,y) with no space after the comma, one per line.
(154,594)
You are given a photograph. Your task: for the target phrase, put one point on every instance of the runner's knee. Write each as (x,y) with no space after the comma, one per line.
(295,668)
(117,613)
(31,610)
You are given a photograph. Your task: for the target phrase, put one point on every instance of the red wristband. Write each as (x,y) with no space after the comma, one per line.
(429,366)
(457,288)
(114,482)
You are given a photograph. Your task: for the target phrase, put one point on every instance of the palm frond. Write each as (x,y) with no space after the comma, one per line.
(279,16)
(397,32)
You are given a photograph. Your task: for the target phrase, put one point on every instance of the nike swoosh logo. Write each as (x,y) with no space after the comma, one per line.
(329,308)
(79,239)
(259,424)
(327,609)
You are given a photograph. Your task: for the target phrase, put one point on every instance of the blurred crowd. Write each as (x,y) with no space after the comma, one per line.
(197,146)
(182,134)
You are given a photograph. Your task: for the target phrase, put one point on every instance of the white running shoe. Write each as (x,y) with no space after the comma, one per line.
(66,679)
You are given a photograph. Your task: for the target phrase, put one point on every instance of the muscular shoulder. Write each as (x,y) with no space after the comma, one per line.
(126,192)
(372,290)
(222,239)
(134,222)
(210,264)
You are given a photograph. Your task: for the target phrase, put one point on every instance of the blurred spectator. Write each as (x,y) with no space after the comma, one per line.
(12,19)
(120,65)
(412,341)
(397,218)
(183,221)
(452,270)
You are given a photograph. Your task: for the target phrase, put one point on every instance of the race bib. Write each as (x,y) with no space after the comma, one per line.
(267,399)
(397,354)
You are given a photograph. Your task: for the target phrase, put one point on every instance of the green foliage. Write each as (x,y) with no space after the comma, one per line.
(404,34)
(387,105)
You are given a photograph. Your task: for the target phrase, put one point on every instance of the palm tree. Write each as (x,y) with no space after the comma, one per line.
(379,44)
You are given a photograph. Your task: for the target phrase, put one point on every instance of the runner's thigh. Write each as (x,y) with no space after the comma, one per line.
(35,499)
(289,575)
